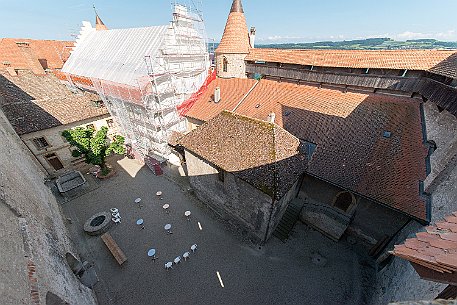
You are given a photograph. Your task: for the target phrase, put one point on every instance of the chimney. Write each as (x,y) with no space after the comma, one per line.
(271,117)
(217,95)
(252,37)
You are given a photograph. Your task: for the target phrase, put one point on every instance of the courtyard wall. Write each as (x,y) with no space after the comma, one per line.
(399,281)
(233,199)
(32,232)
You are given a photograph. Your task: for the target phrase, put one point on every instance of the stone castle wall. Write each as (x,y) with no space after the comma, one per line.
(399,281)
(32,232)
(236,66)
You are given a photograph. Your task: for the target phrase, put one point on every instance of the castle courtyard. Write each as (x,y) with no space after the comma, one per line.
(226,268)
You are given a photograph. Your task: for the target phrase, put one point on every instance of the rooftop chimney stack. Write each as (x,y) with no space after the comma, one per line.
(252,37)
(271,117)
(217,95)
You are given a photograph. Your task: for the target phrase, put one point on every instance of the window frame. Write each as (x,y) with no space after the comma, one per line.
(224,64)
(37,140)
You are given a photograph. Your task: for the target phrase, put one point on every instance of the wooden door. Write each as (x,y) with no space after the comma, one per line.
(54,161)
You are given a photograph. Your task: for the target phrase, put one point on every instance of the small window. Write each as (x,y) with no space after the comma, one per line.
(224,64)
(307,148)
(110,123)
(40,143)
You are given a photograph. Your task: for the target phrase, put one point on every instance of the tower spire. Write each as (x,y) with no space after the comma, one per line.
(235,39)
(99,25)
(234,45)
(237,7)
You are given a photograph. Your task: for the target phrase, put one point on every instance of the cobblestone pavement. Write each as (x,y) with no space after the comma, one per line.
(308,269)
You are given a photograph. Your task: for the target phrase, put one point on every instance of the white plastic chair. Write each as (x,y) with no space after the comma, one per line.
(177,260)
(169,265)
(186,256)
(116,215)
(114,211)
(193,247)
(116,220)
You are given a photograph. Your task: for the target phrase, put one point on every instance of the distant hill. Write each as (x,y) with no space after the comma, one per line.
(367,44)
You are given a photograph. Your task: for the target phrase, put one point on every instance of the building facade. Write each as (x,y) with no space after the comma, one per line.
(234,45)
(151,71)
(39,106)
(245,169)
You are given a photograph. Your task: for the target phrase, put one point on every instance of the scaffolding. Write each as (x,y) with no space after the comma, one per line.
(145,97)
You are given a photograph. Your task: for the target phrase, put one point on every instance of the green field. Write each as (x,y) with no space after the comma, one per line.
(367,44)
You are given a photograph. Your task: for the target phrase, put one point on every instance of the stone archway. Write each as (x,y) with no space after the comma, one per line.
(344,201)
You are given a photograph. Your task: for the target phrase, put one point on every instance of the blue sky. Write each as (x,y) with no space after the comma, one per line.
(276,21)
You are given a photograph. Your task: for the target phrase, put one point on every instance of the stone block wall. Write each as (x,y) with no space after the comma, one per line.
(236,65)
(233,199)
(57,143)
(32,232)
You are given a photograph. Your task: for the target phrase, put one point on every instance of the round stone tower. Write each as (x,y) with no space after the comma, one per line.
(234,45)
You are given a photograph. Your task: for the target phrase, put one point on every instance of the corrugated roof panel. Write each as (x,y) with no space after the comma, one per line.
(116,55)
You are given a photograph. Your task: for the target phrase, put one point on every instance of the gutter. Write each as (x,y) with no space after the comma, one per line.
(245,96)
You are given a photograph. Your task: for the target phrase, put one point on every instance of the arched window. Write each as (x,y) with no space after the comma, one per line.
(224,64)
(344,201)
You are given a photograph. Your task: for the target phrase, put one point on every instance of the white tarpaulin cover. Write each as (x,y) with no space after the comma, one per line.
(116,55)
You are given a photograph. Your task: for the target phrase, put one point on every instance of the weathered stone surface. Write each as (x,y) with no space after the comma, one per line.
(32,233)
(98,223)
(399,281)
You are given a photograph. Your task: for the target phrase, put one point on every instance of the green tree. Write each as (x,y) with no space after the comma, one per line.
(94,146)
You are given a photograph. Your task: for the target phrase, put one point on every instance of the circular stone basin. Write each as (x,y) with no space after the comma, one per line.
(98,223)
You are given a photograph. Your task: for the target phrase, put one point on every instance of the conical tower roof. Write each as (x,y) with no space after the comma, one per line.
(235,39)
(99,25)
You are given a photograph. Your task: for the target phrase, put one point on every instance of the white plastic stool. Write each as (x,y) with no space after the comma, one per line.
(193,247)
(177,260)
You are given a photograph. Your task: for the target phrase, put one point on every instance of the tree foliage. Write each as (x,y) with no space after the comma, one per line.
(94,146)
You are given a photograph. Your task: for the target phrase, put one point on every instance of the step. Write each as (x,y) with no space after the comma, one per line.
(280,236)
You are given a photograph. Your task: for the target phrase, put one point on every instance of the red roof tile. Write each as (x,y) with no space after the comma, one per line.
(348,129)
(232,92)
(36,102)
(261,153)
(34,55)
(437,61)
(431,250)
(236,36)
(99,25)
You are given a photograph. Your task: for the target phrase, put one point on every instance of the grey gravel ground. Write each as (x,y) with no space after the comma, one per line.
(308,269)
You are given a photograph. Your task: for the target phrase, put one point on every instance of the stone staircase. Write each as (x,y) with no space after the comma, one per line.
(289,219)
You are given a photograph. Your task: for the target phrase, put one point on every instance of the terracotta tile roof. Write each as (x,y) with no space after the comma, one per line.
(261,153)
(232,92)
(384,59)
(33,55)
(447,67)
(235,39)
(36,102)
(99,25)
(174,137)
(434,249)
(348,130)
